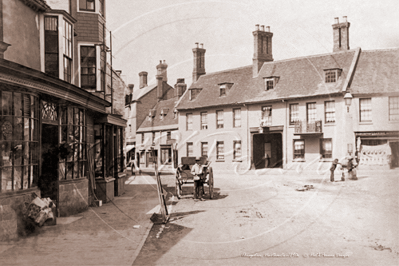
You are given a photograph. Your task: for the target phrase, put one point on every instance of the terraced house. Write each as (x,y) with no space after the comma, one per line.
(299,112)
(61,107)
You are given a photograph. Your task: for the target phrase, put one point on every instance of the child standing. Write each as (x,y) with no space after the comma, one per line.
(332,169)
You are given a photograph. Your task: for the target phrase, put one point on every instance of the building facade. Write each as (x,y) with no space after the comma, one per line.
(61,135)
(157,136)
(301,112)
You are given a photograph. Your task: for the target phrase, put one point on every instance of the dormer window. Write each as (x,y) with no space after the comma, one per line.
(151,115)
(332,75)
(194,93)
(175,114)
(270,82)
(223,88)
(163,113)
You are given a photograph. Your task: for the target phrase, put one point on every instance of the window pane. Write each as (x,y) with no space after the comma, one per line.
(17,178)
(25,184)
(6,153)
(7,102)
(6,179)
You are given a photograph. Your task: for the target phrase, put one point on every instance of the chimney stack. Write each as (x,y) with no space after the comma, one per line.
(262,47)
(130,86)
(161,78)
(341,34)
(199,62)
(143,79)
(180,87)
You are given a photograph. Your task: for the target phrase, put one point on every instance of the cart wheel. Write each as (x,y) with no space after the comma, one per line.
(178,189)
(210,182)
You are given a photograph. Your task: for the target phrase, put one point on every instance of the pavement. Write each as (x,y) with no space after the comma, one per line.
(112,234)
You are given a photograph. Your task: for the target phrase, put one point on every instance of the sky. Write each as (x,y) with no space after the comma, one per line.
(147,31)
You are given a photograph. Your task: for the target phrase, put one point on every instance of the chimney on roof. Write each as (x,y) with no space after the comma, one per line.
(143,79)
(262,47)
(199,62)
(341,34)
(130,86)
(180,87)
(161,79)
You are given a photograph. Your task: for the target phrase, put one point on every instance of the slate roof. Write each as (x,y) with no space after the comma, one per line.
(168,120)
(298,77)
(137,94)
(377,71)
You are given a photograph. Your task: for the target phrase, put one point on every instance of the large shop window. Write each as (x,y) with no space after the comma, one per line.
(108,150)
(73,157)
(299,149)
(19,141)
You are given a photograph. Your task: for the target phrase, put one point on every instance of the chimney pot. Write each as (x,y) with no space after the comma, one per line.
(196,44)
(257,27)
(262,27)
(143,79)
(345,18)
(202,45)
(336,20)
(268,28)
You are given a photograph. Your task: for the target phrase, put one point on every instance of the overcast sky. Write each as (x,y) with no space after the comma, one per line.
(146,31)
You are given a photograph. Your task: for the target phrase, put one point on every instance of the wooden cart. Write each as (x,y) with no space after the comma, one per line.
(184,176)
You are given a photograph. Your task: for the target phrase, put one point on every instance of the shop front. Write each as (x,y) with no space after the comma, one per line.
(267,147)
(377,149)
(43,144)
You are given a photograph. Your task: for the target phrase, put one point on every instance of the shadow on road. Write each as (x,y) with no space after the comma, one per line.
(162,238)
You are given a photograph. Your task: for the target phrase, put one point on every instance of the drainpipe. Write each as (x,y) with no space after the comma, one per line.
(286,134)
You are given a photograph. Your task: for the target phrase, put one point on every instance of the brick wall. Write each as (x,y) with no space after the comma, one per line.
(12,206)
(73,196)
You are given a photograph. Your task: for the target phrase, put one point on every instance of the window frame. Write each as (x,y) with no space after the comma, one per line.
(235,119)
(220,154)
(292,122)
(51,50)
(204,124)
(362,111)
(204,144)
(67,50)
(188,145)
(323,153)
(307,111)
(300,155)
(268,120)
(88,67)
(219,114)
(189,122)
(326,112)
(235,150)
(390,109)
(81,2)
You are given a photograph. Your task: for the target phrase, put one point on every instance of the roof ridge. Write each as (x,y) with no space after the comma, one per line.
(309,56)
(381,49)
(226,70)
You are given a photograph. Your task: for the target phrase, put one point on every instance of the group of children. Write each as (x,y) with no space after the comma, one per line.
(350,166)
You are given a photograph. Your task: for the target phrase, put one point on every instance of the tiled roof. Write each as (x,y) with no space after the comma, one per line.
(376,71)
(137,94)
(298,77)
(168,120)
(38,5)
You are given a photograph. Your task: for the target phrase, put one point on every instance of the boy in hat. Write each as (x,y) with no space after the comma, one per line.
(196,171)
(332,169)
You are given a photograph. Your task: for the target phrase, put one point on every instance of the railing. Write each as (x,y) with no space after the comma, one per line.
(308,127)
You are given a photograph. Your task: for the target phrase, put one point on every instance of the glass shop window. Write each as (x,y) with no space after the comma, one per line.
(73,146)
(19,141)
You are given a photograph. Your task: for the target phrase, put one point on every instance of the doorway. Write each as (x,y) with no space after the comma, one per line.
(48,181)
(394,154)
(267,150)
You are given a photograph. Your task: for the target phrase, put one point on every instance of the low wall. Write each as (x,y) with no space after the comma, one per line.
(73,196)
(12,206)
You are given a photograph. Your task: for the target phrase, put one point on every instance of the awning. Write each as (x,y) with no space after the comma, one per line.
(129,148)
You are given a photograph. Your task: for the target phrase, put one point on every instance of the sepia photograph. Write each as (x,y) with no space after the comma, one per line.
(199,132)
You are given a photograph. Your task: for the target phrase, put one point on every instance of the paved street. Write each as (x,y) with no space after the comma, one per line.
(100,236)
(266,218)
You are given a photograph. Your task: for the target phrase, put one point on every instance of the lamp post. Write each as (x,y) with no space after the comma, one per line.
(348,100)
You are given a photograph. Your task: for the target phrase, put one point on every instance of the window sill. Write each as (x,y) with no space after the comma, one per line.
(366,123)
(237,160)
(300,160)
(220,160)
(393,122)
(329,124)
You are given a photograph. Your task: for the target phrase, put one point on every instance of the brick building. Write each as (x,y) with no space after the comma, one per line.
(61,131)
(294,112)
(159,125)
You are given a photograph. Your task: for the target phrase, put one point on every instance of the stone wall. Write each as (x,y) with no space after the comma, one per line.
(73,196)
(12,206)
